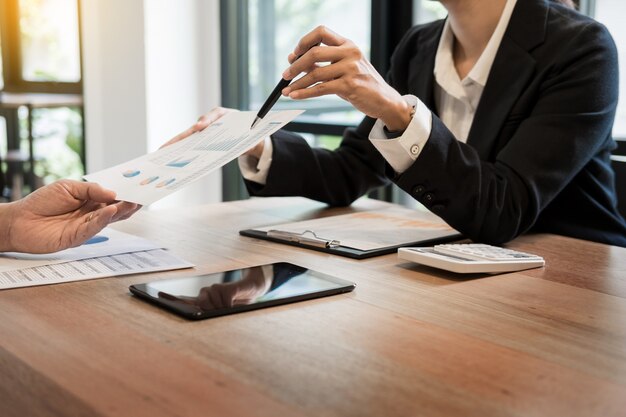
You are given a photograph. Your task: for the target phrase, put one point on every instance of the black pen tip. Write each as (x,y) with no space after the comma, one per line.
(256,120)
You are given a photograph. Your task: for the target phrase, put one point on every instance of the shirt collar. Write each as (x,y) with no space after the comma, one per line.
(445,71)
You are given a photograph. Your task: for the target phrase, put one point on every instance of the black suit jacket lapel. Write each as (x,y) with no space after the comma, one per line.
(421,76)
(510,72)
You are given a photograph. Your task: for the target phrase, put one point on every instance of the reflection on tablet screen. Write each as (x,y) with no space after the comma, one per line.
(245,287)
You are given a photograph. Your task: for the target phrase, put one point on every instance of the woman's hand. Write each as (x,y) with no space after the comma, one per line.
(349,75)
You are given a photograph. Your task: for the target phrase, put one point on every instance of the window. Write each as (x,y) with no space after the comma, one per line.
(611,13)
(49,40)
(276,26)
(40,53)
(40,46)
(426,11)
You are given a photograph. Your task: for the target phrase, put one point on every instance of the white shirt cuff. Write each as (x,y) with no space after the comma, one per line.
(402,152)
(254,169)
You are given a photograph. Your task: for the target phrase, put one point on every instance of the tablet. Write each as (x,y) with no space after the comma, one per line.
(205,296)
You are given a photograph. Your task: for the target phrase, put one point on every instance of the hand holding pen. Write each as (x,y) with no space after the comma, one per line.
(348,75)
(276,92)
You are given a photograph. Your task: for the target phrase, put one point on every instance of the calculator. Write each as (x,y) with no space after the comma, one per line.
(471,258)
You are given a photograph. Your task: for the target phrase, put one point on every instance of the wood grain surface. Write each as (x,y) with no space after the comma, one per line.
(409,341)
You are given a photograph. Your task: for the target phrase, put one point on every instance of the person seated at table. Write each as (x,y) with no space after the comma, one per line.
(59,216)
(498,119)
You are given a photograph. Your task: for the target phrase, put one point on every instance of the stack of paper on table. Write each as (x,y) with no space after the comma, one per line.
(110,253)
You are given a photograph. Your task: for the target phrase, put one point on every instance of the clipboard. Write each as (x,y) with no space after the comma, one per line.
(426,229)
(346,251)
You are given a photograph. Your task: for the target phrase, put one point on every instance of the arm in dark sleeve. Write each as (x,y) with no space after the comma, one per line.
(570,121)
(334,177)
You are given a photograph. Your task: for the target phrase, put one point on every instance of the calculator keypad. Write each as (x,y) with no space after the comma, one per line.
(479,251)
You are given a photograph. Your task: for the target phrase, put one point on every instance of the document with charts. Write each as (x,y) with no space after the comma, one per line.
(92,268)
(106,243)
(151,177)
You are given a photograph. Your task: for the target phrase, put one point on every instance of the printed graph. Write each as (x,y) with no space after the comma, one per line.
(222,146)
(149,180)
(165,183)
(131,173)
(180,162)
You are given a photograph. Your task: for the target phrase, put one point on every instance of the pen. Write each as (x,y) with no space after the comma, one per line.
(273,98)
(299,238)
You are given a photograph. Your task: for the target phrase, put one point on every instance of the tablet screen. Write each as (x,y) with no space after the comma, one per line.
(246,289)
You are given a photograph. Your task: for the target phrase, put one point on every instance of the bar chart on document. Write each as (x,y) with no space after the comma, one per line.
(151,177)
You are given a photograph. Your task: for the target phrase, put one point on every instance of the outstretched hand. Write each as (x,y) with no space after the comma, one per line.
(59,216)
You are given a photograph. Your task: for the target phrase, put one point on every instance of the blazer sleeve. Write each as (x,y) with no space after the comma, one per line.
(570,121)
(334,177)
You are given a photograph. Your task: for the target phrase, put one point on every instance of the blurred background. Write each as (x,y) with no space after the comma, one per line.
(87,84)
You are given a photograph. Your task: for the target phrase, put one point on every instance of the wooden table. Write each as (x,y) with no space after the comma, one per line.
(409,341)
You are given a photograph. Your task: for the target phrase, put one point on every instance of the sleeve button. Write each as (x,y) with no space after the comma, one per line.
(415,150)
(429,197)
(418,189)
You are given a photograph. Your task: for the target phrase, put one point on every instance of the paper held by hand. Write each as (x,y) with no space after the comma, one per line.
(151,177)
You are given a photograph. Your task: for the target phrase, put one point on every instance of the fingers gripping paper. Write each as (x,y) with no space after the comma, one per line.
(151,177)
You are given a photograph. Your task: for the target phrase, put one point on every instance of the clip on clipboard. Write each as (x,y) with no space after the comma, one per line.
(304,239)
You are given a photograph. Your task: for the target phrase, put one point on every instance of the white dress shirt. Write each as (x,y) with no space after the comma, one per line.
(456,101)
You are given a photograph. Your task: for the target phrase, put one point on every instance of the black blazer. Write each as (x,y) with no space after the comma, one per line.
(537,154)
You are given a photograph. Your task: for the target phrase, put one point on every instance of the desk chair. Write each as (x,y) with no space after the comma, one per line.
(619,166)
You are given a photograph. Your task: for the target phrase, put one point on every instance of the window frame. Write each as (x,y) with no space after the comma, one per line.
(14,82)
(588,7)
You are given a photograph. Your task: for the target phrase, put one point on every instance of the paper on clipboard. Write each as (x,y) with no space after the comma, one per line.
(370,230)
